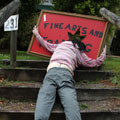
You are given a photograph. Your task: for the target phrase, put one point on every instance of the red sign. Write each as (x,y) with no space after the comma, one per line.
(54,27)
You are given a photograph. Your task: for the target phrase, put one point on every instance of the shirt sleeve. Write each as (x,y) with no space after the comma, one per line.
(50,47)
(89,62)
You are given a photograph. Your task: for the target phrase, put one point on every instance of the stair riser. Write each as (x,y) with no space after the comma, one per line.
(83,94)
(61,116)
(28,63)
(38,64)
(39,74)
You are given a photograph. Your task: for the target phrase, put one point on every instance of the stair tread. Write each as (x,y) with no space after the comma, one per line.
(112,105)
(38,74)
(102,84)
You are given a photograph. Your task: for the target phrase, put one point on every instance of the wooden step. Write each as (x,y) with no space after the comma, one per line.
(58,115)
(38,64)
(110,104)
(108,109)
(37,74)
(29,91)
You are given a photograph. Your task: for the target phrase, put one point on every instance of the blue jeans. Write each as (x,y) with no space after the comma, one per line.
(59,79)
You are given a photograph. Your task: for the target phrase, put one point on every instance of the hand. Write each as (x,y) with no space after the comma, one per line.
(35,31)
(105,48)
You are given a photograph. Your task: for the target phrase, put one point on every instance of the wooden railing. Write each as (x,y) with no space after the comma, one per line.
(5,13)
(111,17)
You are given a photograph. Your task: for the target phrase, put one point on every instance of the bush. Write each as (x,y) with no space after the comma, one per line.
(25,31)
(4,41)
(90,7)
(115,47)
(27,17)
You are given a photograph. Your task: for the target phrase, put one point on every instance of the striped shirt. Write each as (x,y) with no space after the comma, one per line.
(66,53)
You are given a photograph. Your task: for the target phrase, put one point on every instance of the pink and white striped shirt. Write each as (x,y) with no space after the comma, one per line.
(66,53)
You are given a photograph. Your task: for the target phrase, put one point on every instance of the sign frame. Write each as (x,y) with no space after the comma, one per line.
(74,15)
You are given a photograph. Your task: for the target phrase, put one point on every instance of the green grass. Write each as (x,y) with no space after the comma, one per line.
(21,55)
(6,82)
(113,64)
(83,106)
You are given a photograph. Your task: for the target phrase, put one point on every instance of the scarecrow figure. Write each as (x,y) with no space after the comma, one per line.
(66,57)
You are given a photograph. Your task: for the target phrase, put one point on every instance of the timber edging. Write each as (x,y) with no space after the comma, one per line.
(59,115)
(37,74)
(84,94)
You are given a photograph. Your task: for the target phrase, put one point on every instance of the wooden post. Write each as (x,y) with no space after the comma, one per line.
(13,48)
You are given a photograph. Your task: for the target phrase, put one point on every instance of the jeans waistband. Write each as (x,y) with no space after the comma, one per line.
(56,64)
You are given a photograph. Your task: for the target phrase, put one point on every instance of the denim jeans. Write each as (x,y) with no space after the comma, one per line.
(58,80)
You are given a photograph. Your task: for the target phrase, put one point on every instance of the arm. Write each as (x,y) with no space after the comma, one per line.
(89,62)
(50,47)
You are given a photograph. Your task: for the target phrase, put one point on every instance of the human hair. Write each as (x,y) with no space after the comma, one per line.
(81,45)
(77,40)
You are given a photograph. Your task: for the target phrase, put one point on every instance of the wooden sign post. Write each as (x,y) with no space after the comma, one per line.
(54,26)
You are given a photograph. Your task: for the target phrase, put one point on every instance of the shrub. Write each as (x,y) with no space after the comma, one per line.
(25,31)
(90,7)
(27,15)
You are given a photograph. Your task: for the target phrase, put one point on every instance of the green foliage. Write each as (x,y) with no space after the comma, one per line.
(90,7)
(115,48)
(5,42)
(25,31)
(27,8)
(112,63)
(65,5)
(83,106)
(86,7)
(3,3)
(6,83)
(27,18)
(116,79)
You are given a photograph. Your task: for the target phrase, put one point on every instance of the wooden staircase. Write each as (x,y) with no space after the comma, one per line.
(99,99)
